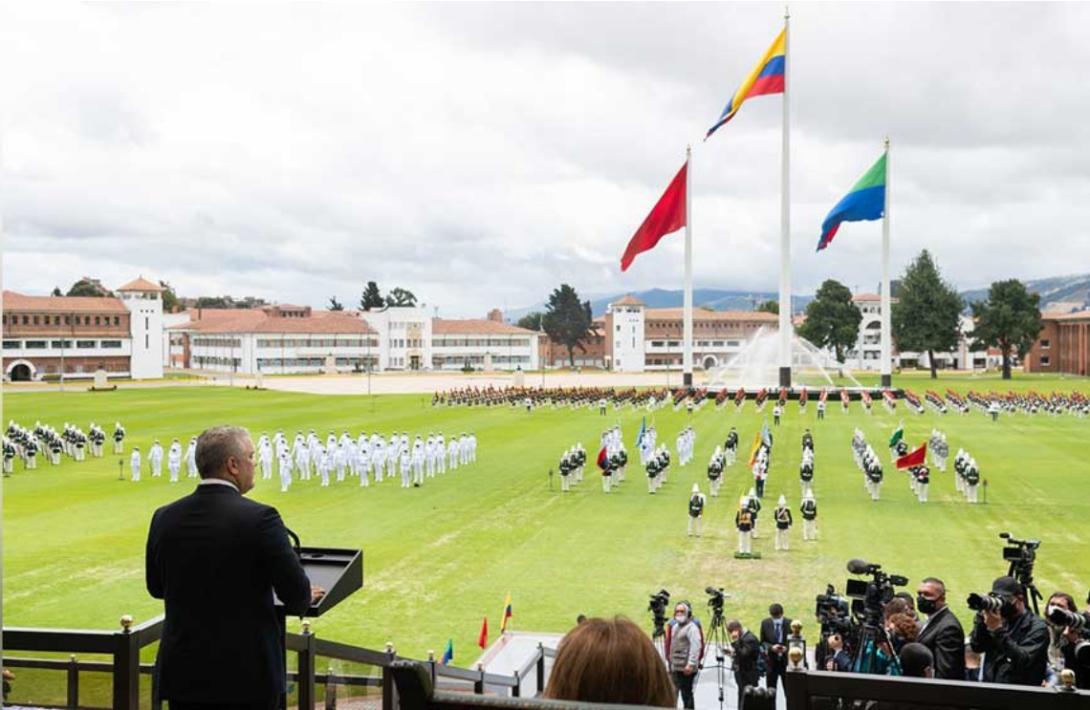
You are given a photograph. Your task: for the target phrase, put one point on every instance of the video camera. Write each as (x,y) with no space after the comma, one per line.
(1021,554)
(870,596)
(833,612)
(715,600)
(657,606)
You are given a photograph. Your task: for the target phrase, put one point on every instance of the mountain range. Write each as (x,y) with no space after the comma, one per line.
(1064,293)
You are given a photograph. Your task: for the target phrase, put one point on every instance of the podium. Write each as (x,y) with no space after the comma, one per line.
(338,571)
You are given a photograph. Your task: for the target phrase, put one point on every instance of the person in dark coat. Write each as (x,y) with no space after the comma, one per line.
(941,631)
(1014,641)
(216,558)
(745,649)
(774,632)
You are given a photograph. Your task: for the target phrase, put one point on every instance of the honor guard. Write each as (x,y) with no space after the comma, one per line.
(730,448)
(119,438)
(9,457)
(972,480)
(753,503)
(696,511)
(782,516)
(715,472)
(743,520)
(565,470)
(809,517)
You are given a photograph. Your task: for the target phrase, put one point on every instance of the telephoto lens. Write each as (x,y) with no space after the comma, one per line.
(1062,617)
(984,602)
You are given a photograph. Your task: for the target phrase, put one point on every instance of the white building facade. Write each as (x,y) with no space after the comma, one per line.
(483,345)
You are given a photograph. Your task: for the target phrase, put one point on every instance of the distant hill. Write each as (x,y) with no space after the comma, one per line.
(1057,292)
(714,298)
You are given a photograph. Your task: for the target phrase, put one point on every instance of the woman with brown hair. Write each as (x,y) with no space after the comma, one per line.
(610,661)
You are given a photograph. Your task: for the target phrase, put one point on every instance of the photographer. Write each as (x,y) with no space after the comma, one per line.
(1014,641)
(1068,646)
(684,646)
(745,649)
(941,631)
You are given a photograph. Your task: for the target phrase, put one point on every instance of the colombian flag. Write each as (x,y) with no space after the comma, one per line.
(766,78)
(756,447)
(506,613)
(864,202)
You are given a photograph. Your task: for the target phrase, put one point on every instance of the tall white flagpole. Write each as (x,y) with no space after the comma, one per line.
(887,335)
(785,222)
(687,332)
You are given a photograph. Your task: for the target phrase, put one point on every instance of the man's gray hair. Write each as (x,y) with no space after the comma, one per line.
(215,446)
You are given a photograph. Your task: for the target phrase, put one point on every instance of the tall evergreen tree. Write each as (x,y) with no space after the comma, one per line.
(335,305)
(170,299)
(530,321)
(1009,320)
(832,320)
(567,320)
(925,317)
(371,297)
(400,297)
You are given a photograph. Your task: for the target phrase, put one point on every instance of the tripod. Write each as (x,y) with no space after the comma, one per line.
(1024,574)
(866,654)
(717,640)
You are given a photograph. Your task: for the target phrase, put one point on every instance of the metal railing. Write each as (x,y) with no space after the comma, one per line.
(124,647)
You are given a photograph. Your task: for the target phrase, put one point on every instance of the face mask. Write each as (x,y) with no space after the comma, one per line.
(680,618)
(925,605)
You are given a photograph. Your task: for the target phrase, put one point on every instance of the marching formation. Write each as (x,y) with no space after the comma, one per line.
(535,397)
(27,444)
(572,463)
(868,462)
(968,475)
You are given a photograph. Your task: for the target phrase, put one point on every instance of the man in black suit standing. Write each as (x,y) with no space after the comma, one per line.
(941,632)
(216,558)
(744,650)
(774,633)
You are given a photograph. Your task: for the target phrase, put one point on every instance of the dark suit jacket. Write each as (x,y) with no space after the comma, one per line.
(946,639)
(215,558)
(768,639)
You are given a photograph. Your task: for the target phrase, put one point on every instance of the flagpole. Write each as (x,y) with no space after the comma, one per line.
(687,333)
(887,351)
(785,223)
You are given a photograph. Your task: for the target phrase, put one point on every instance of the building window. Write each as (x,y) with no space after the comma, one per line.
(85,343)
(59,344)
(1044,346)
(1045,361)
(35,320)
(13,345)
(117,320)
(35,345)
(106,344)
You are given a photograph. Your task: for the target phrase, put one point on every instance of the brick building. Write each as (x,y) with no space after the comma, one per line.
(1063,346)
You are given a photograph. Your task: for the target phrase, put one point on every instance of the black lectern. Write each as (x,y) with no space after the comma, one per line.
(338,571)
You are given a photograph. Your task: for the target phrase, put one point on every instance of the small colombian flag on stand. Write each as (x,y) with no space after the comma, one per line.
(482,640)
(506,613)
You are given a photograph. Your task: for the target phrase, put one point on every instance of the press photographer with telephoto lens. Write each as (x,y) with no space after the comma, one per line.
(1069,633)
(1013,640)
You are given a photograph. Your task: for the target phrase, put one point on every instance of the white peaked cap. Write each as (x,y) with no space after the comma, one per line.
(782,501)
(809,495)
(696,488)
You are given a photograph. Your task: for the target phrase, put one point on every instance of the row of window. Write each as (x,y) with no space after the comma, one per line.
(277,362)
(17,319)
(317,342)
(207,342)
(212,360)
(699,343)
(479,360)
(60,344)
(406,342)
(480,342)
(702,325)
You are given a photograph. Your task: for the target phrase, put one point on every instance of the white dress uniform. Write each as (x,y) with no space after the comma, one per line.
(191,459)
(174,460)
(134,463)
(155,458)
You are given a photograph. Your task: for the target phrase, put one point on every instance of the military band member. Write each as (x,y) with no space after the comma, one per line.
(565,470)
(972,479)
(809,517)
(922,476)
(874,479)
(696,511)
(9,457)
(782,516)
(743,520)
(119,438)
(731,447)
(30,454)
(754,505)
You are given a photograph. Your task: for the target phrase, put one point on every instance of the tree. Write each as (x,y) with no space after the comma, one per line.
(832,320)
(335,305)
(57,291)
(770,306)
(215,302)
(1009,320)
(371,297)
(88,287)
(567,320)
(530,321)
(926,315)
(400,297)
(170,299)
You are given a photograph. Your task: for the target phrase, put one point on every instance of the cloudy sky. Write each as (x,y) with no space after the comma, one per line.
(480,154)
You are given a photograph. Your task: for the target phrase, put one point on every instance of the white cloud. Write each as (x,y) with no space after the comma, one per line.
(479,154)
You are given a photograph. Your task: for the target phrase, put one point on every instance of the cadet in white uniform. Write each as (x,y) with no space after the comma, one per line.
(134,463)
(191,459)
(265,455)
(174,460)
(285,471)
(155,458)
(782,517)
(696,511)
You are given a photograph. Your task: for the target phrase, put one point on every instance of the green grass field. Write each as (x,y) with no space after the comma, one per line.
(439,558)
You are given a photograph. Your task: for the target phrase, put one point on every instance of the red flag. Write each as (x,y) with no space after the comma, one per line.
(603,459)
(667,216)
(482,640)
(915,458)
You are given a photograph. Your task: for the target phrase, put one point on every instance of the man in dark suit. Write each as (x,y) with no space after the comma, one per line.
(744,651)
(216,558)
(774,633)
(941,631)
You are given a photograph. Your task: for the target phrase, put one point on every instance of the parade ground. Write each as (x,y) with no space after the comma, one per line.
(440,558)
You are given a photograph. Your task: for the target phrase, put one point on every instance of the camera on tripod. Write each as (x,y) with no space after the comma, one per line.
(870,596)
(715,600)
(657,606)
(1022,553)
(833,612)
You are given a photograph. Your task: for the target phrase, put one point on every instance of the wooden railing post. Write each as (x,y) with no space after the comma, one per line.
(540,668)
(306,669)
(73,682)
(126,667)
(330,690)
(388,687)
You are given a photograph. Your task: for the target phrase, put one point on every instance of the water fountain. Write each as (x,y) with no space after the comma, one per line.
(756,365)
